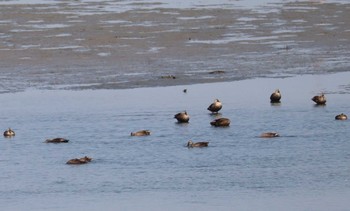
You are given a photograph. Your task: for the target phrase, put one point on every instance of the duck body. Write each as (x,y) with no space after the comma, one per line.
(269,135)
(77,161)
(191,144)
(182,117)
(141,133)
(319,99)
(215,107)
(221,122)
(57,140)
(9,133)
(341,117)
(276,96)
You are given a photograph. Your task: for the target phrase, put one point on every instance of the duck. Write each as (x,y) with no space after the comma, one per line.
(217,72)
(269,135)
(141,133)
(9,133)
(221,122)
(168,77)
(182,117)
(190,144)
(82,160)
(341,117)
(319,99)
(57,140)
(215,107)
(276,96)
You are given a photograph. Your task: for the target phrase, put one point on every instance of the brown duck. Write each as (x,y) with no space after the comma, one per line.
(276,96)
(57,140)
(9,133)
(82,160)
(141,133)
(269,135)
(182,117)
(221,122)
(215,107)
(319,99)
(341,117)
(197,144)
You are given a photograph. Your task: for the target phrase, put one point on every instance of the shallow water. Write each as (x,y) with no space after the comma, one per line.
(307,168)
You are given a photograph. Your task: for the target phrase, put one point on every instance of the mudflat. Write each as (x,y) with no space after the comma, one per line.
(79,45)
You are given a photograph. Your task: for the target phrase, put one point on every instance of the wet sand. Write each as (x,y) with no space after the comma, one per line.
(112,45)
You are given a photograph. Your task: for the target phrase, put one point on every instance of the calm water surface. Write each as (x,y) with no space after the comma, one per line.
(307,168)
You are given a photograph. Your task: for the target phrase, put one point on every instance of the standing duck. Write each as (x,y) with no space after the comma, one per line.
(221,122)
(9,133)
(190,144)
(276,96)
(341,117)
(215,107)
(319,99)
(182,117)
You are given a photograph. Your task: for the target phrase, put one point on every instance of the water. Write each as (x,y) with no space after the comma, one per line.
(307,168)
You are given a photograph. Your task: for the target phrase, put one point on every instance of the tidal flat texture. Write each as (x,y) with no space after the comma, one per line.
(126,44)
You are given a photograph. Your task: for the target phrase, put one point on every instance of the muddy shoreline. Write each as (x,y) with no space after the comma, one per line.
(87,45)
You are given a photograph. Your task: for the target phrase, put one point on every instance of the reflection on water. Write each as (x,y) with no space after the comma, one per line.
(308,163)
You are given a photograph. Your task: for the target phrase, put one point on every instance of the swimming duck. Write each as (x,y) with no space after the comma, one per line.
(57,140)
(269,135)
(319,99)
(341,117)
(217,72)
(182,117)
(197,144)
(9,133)
(141,133)
(276,96)
(215,106)
(168,77)
(82,160)
(221,122)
